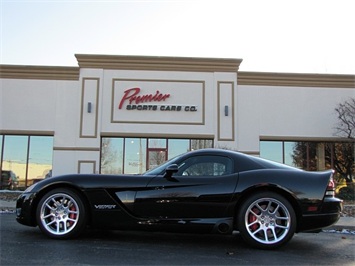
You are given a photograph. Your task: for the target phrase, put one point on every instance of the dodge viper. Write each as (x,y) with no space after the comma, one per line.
(202,191)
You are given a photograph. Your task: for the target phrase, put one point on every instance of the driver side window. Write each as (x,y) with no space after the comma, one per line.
(205,166)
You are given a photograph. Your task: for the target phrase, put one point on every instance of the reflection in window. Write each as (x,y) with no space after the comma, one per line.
(205,166)
(313,156)
(130,155)
(271,150)
(15,156)
(197,144)
(112,156)
(1,141)
(157,143)
(177,147)
(288,153)
(28,157)
(305,155)
(135,155)
(40,157)
(343,159)
(156,157)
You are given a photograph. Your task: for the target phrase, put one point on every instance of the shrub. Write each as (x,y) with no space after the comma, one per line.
(348,192)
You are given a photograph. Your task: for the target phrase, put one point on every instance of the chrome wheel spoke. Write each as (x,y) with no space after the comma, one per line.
(267,221)
(58,227)
(274,236)
(281,226)
(49,206)
(47,216)
(252,223)
(59,214)
(51,222)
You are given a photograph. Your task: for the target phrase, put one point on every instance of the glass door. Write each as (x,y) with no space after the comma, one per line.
(156,157)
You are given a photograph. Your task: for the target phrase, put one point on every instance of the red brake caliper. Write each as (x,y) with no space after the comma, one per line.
(72,215)
(252,218)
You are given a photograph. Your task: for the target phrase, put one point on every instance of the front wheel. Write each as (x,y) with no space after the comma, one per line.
(61,214)
(266,220)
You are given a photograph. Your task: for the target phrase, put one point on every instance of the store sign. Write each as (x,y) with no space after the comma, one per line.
(134,98)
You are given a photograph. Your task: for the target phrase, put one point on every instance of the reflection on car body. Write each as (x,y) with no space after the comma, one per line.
(208,190)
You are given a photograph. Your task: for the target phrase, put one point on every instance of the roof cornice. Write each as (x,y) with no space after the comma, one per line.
(158,63)
(39,72)
(296,80)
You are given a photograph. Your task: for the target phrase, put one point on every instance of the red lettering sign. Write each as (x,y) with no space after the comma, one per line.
(132,96)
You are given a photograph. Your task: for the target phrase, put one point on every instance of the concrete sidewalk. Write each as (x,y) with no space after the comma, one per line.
(7,204)
(343,223)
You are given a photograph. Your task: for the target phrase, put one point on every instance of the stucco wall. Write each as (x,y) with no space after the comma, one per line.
(280,112)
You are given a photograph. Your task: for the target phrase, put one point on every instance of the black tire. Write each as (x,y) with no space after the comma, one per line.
(266,220)
(61,214)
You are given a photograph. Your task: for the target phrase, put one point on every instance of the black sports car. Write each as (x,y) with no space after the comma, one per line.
(207,190)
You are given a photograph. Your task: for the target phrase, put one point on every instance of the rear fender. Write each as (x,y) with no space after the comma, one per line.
(304,190)
(309,186)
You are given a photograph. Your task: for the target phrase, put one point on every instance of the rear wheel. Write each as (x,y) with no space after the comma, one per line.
(266,220)
(61,214)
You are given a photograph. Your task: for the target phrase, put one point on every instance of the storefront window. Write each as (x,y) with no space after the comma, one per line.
(271,150)
(305,155)
(15,157)
(157,143)
(288,153)
(156,157)
(197,144)
(177,147)
(137,155)
(313,156)
(40,158)
(1,140)
(27,158)
(343,160)
(112,156)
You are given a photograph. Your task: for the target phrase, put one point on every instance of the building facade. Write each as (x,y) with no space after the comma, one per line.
(126,114)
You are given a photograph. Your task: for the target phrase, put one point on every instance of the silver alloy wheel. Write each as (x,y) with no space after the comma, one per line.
(267,221)
(59,214)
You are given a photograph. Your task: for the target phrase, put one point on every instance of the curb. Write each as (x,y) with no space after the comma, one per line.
(344,223)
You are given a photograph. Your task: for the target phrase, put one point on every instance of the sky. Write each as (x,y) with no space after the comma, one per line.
(295,36)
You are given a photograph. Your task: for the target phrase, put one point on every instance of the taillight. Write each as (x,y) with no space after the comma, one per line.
(331,187)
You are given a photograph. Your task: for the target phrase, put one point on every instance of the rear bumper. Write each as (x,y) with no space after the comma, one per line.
(328,215)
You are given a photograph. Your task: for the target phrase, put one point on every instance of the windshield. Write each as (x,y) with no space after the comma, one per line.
(161,168)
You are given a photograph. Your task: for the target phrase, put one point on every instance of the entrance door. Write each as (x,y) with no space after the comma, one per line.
(155,157)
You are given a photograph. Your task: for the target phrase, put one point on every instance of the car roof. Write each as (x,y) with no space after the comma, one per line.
(246,162)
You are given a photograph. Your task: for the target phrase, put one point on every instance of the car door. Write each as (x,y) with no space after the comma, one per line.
(202,188)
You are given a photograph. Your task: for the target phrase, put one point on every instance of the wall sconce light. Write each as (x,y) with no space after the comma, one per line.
(226,110)
(89,107)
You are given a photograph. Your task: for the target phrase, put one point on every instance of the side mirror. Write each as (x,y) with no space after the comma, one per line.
(173,168)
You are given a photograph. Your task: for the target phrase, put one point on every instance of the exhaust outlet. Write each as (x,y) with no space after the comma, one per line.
(223,228)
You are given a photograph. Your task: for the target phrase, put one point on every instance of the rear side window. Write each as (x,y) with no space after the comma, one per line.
(205,166)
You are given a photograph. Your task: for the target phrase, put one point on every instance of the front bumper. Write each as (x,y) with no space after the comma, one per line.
(25,210)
